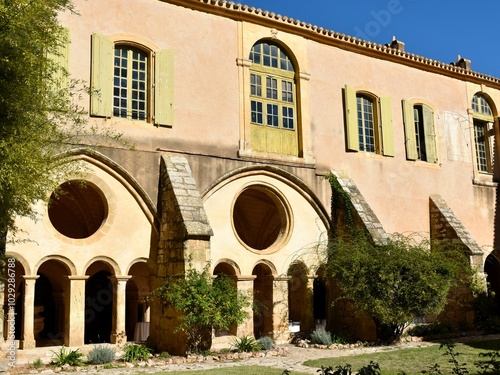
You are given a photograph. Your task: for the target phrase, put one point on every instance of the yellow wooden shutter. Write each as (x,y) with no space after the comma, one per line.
(387,127)
(430,134)
(164,88)
(410,136)
(101,103)
(351,118)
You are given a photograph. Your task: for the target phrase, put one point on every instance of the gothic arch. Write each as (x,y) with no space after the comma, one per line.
(120,174)
(279,174)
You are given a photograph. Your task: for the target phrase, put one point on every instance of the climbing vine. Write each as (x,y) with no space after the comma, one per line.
(341,206)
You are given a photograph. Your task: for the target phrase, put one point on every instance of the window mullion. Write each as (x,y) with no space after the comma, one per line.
(129,84)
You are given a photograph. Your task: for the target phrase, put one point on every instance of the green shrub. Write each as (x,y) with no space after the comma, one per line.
(37,363)
(135,352)
(72,357)
(431,329)
(372,368)
(395,281)
(321,337)
(101,354)
(246,344)
(337,339)
(165,355)
(266,342)
(205,303)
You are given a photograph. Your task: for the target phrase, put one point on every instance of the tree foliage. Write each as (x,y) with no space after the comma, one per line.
(40,115)
(206,303)
(394,283)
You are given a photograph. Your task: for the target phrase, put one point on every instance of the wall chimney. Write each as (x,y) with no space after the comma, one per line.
(396,44)
(462,63)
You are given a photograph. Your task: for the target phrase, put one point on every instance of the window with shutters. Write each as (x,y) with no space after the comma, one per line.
(273,100)
(483,133)
(131,82)
(420,136)
(368,122)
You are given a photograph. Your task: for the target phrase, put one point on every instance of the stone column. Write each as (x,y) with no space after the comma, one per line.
(74,334)
(28,337)
(118,333)
(281,330)
(307,323)
(245,285)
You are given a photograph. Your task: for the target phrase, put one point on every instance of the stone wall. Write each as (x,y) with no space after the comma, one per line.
(184,242)
(445,226)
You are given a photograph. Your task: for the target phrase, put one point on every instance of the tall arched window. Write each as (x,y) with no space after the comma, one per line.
(368,139)
(273,100)
(368,122)
(483,133)
(130,83)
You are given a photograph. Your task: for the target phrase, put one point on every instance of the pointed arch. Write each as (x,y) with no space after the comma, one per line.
(283,176)
(120,174)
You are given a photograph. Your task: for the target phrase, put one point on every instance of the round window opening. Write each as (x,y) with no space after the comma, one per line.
(259,218)
(77,209)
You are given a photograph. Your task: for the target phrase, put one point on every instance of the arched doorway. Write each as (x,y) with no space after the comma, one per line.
(98,304)
(299,306)
(263,301)
(492,270)
(137,305)
(320,299)
(228,270)
(50,297)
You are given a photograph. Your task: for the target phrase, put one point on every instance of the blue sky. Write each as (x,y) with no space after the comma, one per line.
(436,29)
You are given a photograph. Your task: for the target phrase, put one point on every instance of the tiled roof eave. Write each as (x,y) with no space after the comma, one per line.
(241,12)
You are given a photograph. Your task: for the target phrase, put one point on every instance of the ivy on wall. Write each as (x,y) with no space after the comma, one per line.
(343,217)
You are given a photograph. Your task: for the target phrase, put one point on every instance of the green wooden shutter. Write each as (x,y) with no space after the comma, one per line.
(430,135)
(61,60)
(101,102)
(164,88)
(387,127)
(410,136)
(351,118)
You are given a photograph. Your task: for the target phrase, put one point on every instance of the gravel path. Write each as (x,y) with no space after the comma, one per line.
(292,361)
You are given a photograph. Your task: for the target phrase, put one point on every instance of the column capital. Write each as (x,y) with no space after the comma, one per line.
(282,278)
(77,277)
(120,277)
(30,277)
(246,277)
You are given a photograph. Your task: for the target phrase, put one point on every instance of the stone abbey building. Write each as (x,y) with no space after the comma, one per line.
(236,116)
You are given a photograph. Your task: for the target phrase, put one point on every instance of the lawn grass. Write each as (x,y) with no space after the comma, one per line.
(413,361)
(237,370)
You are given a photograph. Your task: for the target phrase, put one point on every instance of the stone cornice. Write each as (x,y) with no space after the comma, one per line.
(254,15)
